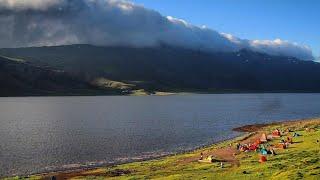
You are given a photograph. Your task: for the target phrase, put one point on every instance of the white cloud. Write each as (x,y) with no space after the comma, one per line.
(29,4)
(280,47)
(117,22)
(233,39)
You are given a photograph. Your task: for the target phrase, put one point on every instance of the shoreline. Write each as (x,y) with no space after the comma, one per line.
(160,93)
(111,164)
(247,131)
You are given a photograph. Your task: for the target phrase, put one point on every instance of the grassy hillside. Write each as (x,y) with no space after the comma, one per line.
(177,69)
(19,78)
(301,160)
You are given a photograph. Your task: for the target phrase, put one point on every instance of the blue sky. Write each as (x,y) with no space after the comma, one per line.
(293,20)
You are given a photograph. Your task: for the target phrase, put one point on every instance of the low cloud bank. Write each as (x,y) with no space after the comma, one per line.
(117,22)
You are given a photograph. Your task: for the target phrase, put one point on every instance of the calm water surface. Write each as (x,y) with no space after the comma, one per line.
(40,134)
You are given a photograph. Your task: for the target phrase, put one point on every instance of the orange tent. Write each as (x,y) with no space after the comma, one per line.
(276,133)
(262,159)
(263,138)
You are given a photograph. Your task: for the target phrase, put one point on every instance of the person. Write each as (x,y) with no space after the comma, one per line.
(201,156)
(286,145)
(244,148)
(295,134)
(238,146)
(288,130)
(221,164)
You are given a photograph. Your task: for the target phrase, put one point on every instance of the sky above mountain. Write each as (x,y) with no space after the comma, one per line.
(115,22)
(296,21)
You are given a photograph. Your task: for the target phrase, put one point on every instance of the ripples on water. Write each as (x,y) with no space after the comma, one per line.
(48,133)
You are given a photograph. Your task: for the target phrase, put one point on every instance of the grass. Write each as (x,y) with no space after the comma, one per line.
(300,161)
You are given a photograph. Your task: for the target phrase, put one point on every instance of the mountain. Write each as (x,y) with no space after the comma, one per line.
(169,68)
(19,78)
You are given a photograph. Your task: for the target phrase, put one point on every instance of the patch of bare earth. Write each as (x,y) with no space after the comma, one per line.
(224,154)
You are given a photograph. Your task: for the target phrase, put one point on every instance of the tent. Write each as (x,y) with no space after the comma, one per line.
(263,138)
(262,159)
(253,147)
(263,151)
(276,133)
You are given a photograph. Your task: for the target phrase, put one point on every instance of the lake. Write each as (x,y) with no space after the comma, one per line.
(39,134)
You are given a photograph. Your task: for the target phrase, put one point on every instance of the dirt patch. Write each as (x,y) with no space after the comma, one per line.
(222,155)
(251,139)
(225,154)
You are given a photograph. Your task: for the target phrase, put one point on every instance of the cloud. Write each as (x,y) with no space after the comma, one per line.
(117,22)
(280,47)
(19,5)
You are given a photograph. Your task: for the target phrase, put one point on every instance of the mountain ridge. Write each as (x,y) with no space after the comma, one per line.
(167,68)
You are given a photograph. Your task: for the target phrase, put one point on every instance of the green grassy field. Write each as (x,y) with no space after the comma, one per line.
(300,161)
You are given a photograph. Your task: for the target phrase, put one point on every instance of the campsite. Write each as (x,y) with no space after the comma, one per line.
(296,155)
(159,89)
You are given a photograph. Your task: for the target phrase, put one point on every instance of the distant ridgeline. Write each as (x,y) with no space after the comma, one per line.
(86,69)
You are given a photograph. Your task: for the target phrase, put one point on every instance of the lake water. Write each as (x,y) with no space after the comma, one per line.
(40,134)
